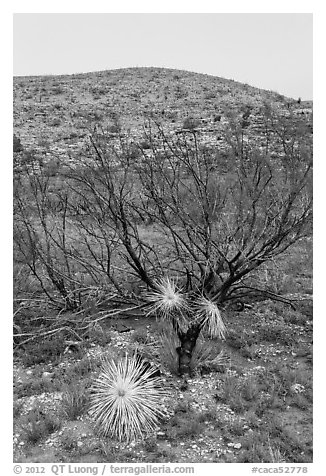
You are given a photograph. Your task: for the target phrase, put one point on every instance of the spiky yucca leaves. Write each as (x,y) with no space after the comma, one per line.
(205,352)
(208,312)
(126,399)
(169,302)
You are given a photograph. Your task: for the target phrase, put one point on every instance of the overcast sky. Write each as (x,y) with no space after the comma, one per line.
(267,50)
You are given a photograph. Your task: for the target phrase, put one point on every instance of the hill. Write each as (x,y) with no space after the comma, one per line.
(54,114)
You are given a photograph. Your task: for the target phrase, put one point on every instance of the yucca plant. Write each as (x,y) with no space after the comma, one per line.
(205,353)
(209,315)
(189,315)
(126,399)
(168,302)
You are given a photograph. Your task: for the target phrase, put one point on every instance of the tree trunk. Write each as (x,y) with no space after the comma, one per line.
(188,341)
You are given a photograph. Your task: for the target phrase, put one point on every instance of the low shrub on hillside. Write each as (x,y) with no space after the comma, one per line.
(190,123)
(38,424)
(17,145)
(75,400)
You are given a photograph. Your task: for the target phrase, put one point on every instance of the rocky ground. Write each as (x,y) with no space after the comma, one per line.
(256,409)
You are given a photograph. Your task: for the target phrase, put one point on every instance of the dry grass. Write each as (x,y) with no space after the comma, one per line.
(74,401)
(208,354)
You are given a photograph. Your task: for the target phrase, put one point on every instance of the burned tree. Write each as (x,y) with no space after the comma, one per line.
(186,221)
(176,214)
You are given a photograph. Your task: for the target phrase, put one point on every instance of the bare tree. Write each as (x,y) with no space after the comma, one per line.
(67,257)
(186,220)
(176,214)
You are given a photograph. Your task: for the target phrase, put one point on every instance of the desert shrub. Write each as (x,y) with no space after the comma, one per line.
(51,168)
(182,407)
(17,408)
(57,90)
(207,416)
(237,403)
(47,350)
(227,388)
(210,95)
(209,355)
(306,309)
(257,448)
(250,389)
(289,377)
(180,92)
(231,426)
(38,424)
(140,335)
(235,340)
(300,401)
(55,122)
(114,128)
(17,145)
(97,335)
(290,444)
(35,387)
(28,157)
(183,426)
(242,394)
(81,369)
(149,444)
(190,123)
(75,400)
(294,317)
(275,332)
(276,280)
(145,144)
(249,352)
(108,450)
(68,441)
(252,419)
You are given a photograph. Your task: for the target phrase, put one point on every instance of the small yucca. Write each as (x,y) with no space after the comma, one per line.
(168,301)
(212,320)
(126,399)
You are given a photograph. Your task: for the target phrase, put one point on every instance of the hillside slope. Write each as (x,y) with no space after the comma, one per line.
(53,114)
